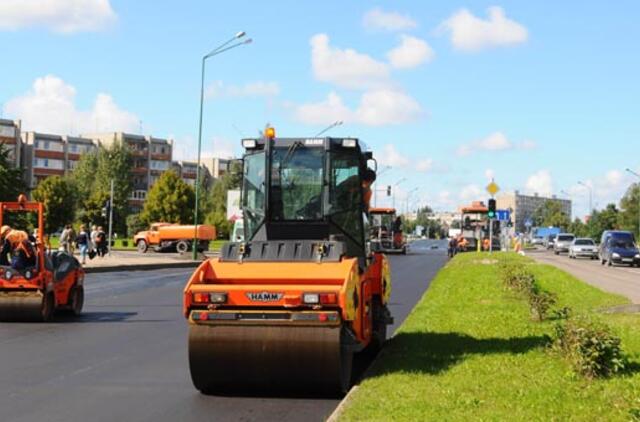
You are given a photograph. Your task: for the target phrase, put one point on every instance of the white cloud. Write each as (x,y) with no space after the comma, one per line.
(346,68)
(497,141)
(489,174)
(50,107)
(251,89)
(390,156)
(376,108)
(410,53)
(65,16)
(388,21)
(470,33)
(470,193)
(540,182)
(424,165)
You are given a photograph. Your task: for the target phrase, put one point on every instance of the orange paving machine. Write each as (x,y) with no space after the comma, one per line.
(289,307)
(386,234)
(47,283)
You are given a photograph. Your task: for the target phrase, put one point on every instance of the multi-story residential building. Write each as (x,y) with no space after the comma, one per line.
(151,157)
(218,166)
(187,171)
(47,155)
(10,139)
(523,207)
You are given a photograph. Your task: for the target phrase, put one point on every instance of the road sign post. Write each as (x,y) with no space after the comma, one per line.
(492,188)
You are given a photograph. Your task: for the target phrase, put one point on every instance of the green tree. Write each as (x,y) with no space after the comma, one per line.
(578,228)
(550,214)
(217,216)
(11,184)
(599,221)
(92,179)
(58,196)
(170,200)
(630,209)
(135,224)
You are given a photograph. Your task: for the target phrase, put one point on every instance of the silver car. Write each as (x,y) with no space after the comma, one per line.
(562,243)
(583,247)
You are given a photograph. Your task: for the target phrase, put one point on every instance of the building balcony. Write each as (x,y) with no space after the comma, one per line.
(47,172)
(41,153)
(139,170)
(9,140)
(161,157)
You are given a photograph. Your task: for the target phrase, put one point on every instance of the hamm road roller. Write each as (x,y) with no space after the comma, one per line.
(49,282)
(287,308)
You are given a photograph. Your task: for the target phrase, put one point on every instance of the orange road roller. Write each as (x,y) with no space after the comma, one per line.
(289,307)
(33,282)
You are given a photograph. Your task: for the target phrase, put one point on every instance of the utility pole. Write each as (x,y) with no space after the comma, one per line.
(110,216)
(590,196)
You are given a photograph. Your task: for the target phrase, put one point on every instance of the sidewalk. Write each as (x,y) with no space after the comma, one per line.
(134,261)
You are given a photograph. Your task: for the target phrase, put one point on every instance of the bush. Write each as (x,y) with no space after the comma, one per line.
(540,302)
(516,277)
(590,347)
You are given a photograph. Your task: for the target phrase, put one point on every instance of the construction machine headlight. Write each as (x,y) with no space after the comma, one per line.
(218,297)
(311,298)
(28,275)
(249,143)
(8,275)
(349,143)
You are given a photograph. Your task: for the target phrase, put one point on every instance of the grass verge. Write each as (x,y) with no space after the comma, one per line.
(470,350)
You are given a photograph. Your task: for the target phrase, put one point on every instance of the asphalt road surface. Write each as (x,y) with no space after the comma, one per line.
(126,357)
(622,280)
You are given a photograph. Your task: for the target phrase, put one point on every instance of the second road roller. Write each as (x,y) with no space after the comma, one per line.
(290,306)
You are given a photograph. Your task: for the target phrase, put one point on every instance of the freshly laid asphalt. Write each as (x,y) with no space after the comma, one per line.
(125,358)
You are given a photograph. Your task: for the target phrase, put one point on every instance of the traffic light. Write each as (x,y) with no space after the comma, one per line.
(105,210)
(388,190)
(492,208)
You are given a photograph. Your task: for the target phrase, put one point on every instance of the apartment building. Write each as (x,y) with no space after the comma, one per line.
(218,167)
(45,155)
(523,207)
(10,139)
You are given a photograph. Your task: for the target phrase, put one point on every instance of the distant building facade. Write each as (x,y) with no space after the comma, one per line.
(524,207)
(218,167)
(11,140)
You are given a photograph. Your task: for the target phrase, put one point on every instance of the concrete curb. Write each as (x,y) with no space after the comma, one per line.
(142,267)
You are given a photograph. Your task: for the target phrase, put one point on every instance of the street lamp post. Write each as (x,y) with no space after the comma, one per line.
(568,195)
(638,176)
(331,126)
(590,195)
(220,49)
(394,190)
(406,205)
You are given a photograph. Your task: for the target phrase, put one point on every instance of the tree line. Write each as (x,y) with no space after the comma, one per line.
(80,196)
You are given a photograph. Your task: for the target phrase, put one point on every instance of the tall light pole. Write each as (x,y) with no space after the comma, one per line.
(331,126)
(220,49)
(638,176)
(406,205)
(568,195)
(590,195)
(393,193)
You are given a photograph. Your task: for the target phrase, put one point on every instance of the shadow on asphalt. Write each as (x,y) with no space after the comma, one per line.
(95,317)
(433,353)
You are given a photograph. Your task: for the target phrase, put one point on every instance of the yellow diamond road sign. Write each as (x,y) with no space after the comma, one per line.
(492,188)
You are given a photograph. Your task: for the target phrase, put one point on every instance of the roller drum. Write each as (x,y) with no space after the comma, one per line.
(294,359)
(22,306)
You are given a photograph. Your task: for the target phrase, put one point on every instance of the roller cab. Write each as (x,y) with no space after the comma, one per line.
(289,308)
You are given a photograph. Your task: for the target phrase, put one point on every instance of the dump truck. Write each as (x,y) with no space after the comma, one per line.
(290,306)
(385,236)
(55,281)
(167,237)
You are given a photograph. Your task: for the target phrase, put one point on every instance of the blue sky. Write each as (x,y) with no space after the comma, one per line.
(538,95)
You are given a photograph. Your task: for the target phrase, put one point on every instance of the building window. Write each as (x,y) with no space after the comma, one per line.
(140,195)
(8,131)
(48,163)
(159,165)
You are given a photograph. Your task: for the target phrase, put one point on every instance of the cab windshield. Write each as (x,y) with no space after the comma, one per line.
(296,183)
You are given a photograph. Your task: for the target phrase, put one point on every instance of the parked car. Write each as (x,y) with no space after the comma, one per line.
(549,240)
(583,247)
(537,241)
(562,242)
(618,247)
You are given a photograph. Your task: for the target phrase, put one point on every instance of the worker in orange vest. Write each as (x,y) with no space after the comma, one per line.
(22,253)
(5,246)
(485,244)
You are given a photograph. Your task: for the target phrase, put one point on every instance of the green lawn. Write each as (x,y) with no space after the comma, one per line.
(470,351)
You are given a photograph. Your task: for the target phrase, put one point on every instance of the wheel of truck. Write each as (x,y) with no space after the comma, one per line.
(404,250)
(379,328)
(47,307)
(142,246)
(182,247)
(76,300)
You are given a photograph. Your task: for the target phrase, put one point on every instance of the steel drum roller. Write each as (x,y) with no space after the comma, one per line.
(21,306)
(268,358)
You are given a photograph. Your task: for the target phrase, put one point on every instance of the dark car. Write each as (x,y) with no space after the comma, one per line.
(618,247)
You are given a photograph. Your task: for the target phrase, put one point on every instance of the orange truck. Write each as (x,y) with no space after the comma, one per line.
(291,305)
(168,237)
(50,282)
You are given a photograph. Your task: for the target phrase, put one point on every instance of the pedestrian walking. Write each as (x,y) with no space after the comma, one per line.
(101,242)
(84,243)
(93,237)
(453,247)
(64,239)
(71,241)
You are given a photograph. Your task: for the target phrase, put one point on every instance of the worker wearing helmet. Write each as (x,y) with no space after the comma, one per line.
(5,246)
